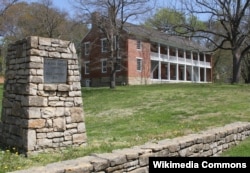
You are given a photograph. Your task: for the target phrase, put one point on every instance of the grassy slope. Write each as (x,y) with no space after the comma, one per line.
(133,115)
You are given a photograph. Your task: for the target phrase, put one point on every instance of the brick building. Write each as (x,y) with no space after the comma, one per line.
(147,56)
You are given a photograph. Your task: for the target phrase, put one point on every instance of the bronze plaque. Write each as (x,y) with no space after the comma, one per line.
(55,70)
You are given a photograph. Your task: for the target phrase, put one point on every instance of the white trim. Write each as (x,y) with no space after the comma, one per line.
(85,65)
(85,48)
(120,64)
(140,46)
(138,58)
(102,67)
(102,46)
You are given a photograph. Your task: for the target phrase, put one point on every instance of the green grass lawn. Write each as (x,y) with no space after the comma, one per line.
(133,115)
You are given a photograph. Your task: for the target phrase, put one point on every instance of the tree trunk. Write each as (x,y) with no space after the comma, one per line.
(115,64)
(113,76)
(236,68)
(112,79)
(245,69)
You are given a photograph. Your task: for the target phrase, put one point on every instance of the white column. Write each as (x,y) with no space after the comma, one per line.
(168,52)
(192,67)
(205,68)
(159,51)
(159,65)
(177,55)
(168,70)
(177,65)
(185,66)
(199,68)
(159,71)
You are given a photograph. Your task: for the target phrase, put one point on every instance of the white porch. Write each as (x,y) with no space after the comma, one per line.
(170,64)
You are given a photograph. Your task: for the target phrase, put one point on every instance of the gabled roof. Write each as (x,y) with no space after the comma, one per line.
(156,36)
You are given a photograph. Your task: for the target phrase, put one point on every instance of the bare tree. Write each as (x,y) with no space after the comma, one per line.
(114,15)
(5,5)
(227,27)
(24,19)
(245,70)
(50,18)
(41,18)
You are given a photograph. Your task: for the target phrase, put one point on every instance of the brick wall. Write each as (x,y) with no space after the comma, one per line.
(135,76)
(129,53)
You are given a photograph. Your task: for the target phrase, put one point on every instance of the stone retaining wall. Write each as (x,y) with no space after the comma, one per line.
(135,160)
(42,108)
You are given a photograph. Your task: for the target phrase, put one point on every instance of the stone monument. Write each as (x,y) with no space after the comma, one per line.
(42,107)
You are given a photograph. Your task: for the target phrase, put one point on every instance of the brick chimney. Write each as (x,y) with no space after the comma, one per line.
(95,16)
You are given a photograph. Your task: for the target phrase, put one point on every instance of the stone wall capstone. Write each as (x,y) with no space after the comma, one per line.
(42,105)
(209,143)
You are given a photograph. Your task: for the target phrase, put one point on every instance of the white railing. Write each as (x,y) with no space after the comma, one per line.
(154,55)
(188,61)
(180,60)
(173,59)
(164,57)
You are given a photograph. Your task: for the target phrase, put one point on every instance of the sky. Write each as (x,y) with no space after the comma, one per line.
(66,5)
(63,5)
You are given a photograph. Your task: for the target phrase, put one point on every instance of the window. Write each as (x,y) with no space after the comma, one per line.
(138,44)
(116,44)
(86,67)
(86,48)
(104,43)
(118,66)
(139,64)
(104,65)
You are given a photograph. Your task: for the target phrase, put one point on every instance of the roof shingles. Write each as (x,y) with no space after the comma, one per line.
(156,36)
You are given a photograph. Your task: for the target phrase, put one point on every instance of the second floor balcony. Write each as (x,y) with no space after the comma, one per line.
(180,60)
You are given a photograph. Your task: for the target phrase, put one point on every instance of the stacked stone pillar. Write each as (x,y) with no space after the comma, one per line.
(42,103)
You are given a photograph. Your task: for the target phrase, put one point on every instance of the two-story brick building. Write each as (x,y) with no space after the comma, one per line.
(147,56)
